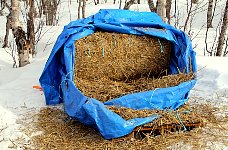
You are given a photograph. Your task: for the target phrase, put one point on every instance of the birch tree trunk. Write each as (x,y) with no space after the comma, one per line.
(19,35)
(15,13)
(30,27)
(209,14)
(161,10)
(221,39)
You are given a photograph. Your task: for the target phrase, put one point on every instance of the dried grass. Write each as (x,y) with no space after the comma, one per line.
(60,132)
(110,65)
(121,57)
(167,116)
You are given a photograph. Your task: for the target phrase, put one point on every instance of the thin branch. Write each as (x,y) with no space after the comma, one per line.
(226,48)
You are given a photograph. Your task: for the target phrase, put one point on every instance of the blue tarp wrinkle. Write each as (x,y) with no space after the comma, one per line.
(59,68)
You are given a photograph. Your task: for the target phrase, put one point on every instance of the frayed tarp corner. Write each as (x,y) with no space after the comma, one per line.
(57,77)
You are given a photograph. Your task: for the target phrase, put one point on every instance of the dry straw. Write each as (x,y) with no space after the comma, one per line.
(61,132)
(109,65)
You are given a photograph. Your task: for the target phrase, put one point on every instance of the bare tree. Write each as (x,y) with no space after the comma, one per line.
(211,50)
(176,14)
(95,2)
(19,35)
(8,26)
(226,48)
(81,8)
(30,27)
(189,11)
(168,10)
(161,10)
(151,5)
(129,3)
(221,38)
(209,14)
(49,8)
(120,5)
(3,5)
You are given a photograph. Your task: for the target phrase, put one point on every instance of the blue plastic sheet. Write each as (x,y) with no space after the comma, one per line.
(57,77)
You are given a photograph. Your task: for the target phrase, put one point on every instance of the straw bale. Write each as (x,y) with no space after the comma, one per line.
(110,65)
(121,56)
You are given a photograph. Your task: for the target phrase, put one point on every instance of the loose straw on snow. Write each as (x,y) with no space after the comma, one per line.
(61,132)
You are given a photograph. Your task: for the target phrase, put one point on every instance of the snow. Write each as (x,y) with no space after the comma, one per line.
(17,95)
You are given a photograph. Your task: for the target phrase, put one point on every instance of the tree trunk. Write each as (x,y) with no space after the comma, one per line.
(83,8)
(30,28)
(194,1)
(3,5)
(19,35)
(209,14)
(128,4)
(151,5)
(221,39)
(120,5)
(161,9)
(49,10)
(22,46)
(8,26)
(79,8)
(226,47)
(44,7)
(189,11)
(96,2)
(50,13)
(168,10)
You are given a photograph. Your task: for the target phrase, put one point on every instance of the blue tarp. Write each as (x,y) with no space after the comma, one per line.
(57,77)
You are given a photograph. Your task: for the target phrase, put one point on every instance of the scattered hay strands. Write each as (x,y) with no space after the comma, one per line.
(60,132)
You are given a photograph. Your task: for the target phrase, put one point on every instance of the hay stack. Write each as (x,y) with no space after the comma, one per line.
(121,57)
(109,65)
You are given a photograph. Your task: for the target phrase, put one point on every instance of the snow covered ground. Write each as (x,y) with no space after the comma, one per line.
(18,97)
